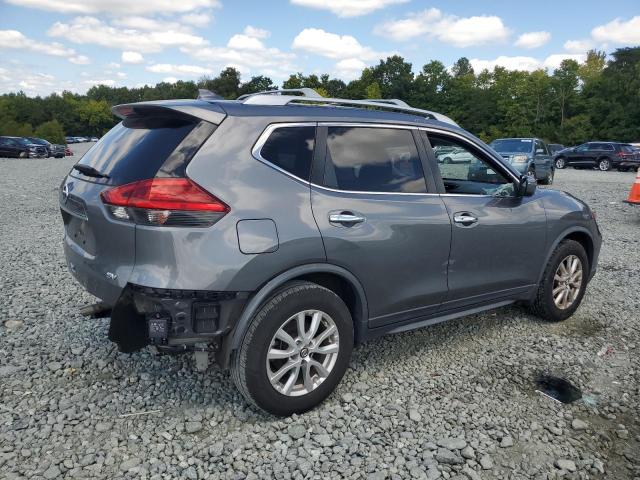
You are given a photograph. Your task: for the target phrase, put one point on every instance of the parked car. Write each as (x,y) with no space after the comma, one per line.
(601,155)
(40,141)
(452,155)
(94,139)
(527,155)
(70,140)
(555,148)
(58,151)
(68,152)
(273,239)
(20,147)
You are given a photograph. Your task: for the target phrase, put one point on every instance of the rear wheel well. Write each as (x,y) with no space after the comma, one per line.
(586,242)
(343,288)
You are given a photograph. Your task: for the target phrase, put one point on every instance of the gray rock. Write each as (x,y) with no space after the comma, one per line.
(54,366)
(129,464)
(448,457)
(486,462)
(324,440)
(192,427)
(13,325)
(52,472)
(297,431)
(8,370)
(415,415)
(452,443)
(506,442)
(578,424)
(468,452)
(103,426)
(564,464)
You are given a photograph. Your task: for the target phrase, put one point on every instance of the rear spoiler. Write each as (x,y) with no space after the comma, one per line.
(210,112)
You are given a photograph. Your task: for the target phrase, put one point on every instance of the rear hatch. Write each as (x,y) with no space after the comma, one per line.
(153,141)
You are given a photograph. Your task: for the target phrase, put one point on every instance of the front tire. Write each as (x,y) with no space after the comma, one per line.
(563,283)
(548,180)
(295,350)
(604,164)
(560,163)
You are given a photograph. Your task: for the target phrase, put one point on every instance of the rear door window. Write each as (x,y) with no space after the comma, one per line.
(373,159)
(145,147)
(291,149)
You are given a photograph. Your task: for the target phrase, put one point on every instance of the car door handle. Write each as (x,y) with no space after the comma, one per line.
(464,218)
(348,219)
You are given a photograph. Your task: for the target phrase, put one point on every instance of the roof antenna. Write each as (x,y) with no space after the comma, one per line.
(204,94)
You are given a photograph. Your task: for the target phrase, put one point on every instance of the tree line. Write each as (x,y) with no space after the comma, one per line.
(598,99)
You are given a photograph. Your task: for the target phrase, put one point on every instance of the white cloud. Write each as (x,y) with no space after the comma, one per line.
(255,32)
(450,29)
(13,39)
(533,39)
(148,24)
(131,57)
(348,8)
(578,46)
(80,60)
(126,7)
(332,45)
(553,61)
(248,54)
(189,70)
(107,82)
(525,63)
(619,31)
(90,30)
(197,19)
(510,63)
(349,68)
(16,78)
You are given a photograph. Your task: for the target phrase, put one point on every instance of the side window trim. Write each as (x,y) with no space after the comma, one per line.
(264,136)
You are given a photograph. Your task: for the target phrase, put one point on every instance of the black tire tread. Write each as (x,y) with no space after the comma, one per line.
(539,306)
(239,356)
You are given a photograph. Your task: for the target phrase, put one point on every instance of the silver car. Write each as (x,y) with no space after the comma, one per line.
(273,232)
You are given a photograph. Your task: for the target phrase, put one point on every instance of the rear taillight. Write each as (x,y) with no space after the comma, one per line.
(177,202)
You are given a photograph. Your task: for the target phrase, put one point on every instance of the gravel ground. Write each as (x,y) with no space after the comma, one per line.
(456,400)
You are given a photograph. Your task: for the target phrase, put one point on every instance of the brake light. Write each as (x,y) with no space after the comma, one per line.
(164,201)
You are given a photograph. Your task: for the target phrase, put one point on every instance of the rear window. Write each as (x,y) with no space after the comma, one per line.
(291,149)
(140,148)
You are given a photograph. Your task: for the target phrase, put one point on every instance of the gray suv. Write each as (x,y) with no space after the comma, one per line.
(276,231)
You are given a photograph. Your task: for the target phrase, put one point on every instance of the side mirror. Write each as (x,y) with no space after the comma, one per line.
(528,186)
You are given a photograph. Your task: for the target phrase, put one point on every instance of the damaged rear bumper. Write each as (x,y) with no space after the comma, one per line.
(173,319)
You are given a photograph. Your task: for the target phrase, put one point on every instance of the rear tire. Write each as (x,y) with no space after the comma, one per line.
(548,180)
(264,350)
(549,303)
(560,163)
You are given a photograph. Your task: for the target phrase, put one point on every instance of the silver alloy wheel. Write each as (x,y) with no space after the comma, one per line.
(560,163)
(550,177)
(302,353)
(567,282)
(604,165)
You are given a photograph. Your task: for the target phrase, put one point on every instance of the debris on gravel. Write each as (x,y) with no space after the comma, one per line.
(453,401)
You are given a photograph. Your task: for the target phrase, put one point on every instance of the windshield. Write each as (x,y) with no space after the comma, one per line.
(39,141)
(519,145)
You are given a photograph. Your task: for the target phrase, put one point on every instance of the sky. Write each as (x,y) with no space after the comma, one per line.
(54,45)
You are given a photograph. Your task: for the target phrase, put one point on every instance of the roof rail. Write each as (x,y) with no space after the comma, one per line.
(276,97)
(204,94)
(306,92)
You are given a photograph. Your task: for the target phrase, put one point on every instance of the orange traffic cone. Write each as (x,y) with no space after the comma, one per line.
(634,194)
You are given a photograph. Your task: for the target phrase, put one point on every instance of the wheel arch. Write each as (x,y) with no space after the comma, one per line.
(580,235)
(330,276)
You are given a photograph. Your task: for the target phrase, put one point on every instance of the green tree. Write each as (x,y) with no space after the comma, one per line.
(373,91)
(51,131)
(15,129)
(96,115)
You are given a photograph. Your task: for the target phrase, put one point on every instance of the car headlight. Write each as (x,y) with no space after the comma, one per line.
(519,158)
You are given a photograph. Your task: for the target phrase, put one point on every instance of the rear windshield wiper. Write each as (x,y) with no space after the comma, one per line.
(89,171)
